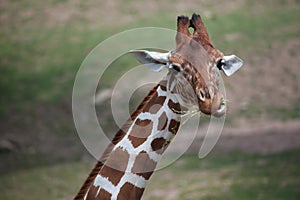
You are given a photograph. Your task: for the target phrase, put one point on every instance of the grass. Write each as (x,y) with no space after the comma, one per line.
(51,182)
(282,113)
(233,175)
(251,29)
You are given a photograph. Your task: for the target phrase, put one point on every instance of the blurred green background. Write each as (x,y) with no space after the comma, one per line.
(42,45)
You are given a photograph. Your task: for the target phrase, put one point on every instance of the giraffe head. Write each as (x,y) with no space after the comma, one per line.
(197,61)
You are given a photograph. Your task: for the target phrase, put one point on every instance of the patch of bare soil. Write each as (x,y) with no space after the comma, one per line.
(265,137)
(271,138)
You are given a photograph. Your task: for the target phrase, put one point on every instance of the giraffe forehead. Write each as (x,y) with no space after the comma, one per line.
(191,60)
(197,57)
(198,68)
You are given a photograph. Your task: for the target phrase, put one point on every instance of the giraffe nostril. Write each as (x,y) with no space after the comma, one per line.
(222,102)
(221,109)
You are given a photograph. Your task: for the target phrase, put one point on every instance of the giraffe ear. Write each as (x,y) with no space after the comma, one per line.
(155,61)
(230,64)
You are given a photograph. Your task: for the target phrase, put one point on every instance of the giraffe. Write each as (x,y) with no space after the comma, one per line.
(128,162)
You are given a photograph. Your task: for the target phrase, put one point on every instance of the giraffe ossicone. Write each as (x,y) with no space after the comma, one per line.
(192,81)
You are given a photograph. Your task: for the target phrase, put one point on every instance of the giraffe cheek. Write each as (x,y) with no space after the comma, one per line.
(215,106)
(205,107)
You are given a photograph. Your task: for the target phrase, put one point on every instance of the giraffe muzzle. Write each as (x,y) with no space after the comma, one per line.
(221,110)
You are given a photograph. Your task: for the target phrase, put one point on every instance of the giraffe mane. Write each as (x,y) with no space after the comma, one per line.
(119,135)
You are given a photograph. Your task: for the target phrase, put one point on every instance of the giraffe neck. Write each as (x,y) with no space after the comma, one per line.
(134,153)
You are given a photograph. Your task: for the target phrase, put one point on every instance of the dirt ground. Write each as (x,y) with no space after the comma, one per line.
(267,137)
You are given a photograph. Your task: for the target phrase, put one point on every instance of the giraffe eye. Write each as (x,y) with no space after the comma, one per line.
(176,67)
(220,63)
(202,95)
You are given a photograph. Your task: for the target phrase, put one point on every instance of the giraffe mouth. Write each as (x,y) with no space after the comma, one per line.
(221,110)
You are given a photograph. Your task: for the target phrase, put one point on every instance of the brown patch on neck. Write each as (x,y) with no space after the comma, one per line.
(155,104)
(162,122)
(163,85)
(116,165)
(145,102)
(103,194)
(143,123)
(158,145)
(175,107)
(129,191)
(174,126)
(143,165)
(92,192)
(139,134)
